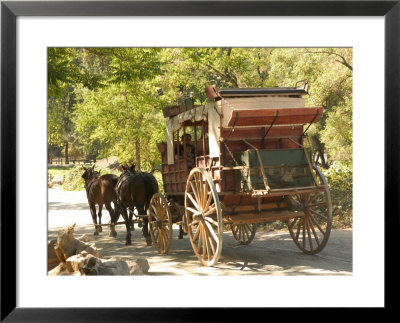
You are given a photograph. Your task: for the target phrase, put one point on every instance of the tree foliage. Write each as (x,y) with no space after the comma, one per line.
(118,93)
(108,101)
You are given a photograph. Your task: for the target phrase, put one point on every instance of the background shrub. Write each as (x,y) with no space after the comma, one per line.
(340,180)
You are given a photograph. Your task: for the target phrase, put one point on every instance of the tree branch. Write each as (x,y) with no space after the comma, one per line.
(343,61)
(226,76)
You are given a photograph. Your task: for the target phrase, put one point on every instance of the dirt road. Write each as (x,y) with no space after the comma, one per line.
(270,253)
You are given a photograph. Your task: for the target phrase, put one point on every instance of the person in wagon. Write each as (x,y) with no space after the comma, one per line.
(190,150)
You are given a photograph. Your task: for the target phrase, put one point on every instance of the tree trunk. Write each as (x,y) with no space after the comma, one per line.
(321,154)
(137,147)
(66,153)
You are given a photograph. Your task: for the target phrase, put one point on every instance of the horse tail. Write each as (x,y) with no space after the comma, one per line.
(115,180)
(151,187)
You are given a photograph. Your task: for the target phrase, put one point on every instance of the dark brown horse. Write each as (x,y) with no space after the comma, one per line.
(100,190)
(134,190)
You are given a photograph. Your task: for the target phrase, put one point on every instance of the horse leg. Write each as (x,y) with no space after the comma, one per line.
(180,236)
(146,231)
(130,220)
(99,215)
(113,233)
(145,228)
(94,217)
(127,225)
(117,212)
(140,224)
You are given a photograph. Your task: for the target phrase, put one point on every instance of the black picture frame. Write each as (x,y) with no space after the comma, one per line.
(10,10)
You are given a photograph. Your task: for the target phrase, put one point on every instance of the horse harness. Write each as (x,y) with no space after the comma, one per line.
(123,178)
(92,179)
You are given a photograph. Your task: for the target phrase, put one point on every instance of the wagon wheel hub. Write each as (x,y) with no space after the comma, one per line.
(159,223)
(200,216)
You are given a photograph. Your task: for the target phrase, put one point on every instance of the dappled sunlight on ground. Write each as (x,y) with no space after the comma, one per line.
(270,253)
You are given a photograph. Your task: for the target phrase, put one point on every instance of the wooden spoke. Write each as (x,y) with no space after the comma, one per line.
(234,229)
(194,211)
(193,201)
(211,251)
(244,233)
(196,234)
(209,238)
(204,241)
(317,225)
(317,209)
(194,222)
(211,232)
(314,233)
(298,228)
(314,197)
(203,216)
(209,199)
(292,223)
(200,236)
(318,214)
(160,223)
(318,204)
(210,211)
(194,190)
(308,233)
(212,221)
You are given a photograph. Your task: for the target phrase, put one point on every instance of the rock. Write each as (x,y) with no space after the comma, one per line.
(138,267)
(66,241)
(52,259)
(88,266)
(71,246)
(94,266)
(67,246)
(134,268)
(59,270)
(113,267)
(84,238)
(73,263)
(70,256)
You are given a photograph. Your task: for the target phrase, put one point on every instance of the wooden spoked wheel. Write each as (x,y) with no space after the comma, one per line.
(203,216)
(244,233)
(311,231)
(160,223)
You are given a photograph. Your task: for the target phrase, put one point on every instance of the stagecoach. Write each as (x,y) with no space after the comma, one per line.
(252,165)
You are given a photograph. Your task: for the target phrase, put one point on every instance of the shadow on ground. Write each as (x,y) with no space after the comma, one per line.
(271,253)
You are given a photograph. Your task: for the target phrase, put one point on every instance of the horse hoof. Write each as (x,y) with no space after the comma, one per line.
(148,241)
(128,242)
(113,234)
(96,233)
(100,229)
(180,237)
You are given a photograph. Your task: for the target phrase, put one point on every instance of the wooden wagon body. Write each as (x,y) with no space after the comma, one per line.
(251,165)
